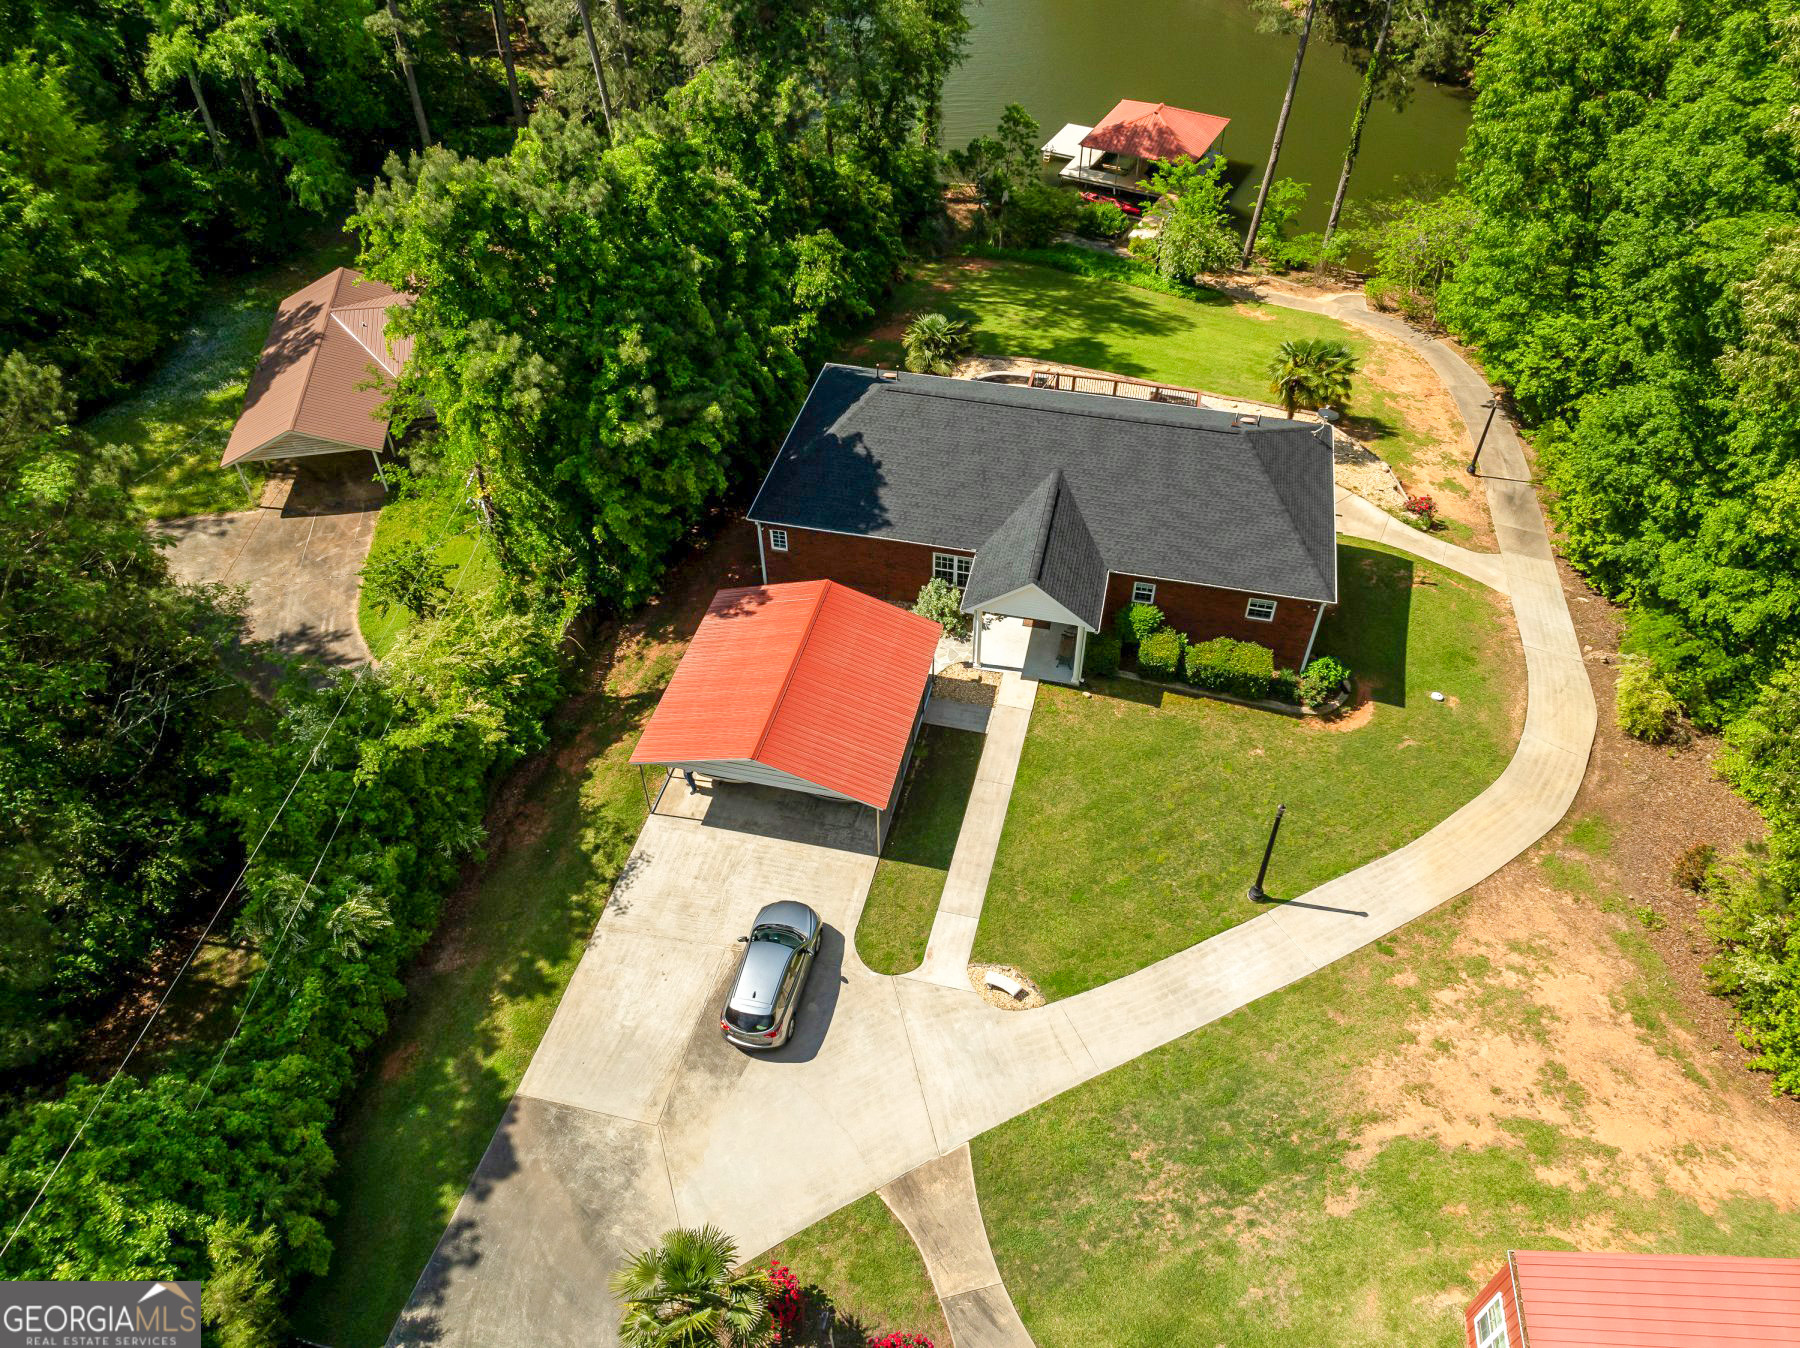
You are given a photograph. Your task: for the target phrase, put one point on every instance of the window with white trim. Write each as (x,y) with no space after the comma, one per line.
(950,568)
(1490,1325)
(1143,592)
(778,540)
(1260,610)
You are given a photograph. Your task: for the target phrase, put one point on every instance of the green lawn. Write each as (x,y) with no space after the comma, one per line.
(909,881)
(439,515)
(861,1258)
(177,419)
(1347,1160)
(476,1007)
(1139,816)
(1209,342)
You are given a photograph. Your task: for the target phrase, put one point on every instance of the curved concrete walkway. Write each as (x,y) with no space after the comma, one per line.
(897,1072)
(937,1205)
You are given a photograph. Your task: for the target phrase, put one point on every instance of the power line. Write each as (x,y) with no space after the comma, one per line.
(311,758)
(300,899)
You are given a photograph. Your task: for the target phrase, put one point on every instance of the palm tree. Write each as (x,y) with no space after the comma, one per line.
(1287,106)
(934,342)
(682,1293)
(1311,372)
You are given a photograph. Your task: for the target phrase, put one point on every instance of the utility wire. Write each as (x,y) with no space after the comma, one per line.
(211,922)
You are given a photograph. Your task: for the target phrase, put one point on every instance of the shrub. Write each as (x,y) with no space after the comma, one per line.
(941,601)
(903,1339)
(1240,668)
(1644,708)
(1102,220)
(1035,214)
(786,1301)
(1137,621)
(1693,866)
(1160,652)
(1322,679)
(1422,512)
(1649,919)
(1102,654)
(1379,293)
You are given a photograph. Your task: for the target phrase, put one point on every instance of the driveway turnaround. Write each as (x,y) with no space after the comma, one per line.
(937,1205)
(297,556)
(635,1116)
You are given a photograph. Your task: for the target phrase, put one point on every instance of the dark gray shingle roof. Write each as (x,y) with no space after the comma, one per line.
(1046,543)
(1175,493)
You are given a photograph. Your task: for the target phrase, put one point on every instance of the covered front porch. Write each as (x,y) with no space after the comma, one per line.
(1033,648)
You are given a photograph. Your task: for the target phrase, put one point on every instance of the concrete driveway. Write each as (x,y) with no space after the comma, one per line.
(296,556)
(635,1116)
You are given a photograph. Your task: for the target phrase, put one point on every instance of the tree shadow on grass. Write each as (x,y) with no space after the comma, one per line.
(1368,628)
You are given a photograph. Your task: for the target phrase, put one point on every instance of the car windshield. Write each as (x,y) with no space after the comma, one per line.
(751,1022)
(779,935)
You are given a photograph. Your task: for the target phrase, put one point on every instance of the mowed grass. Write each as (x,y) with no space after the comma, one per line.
(909,881)
(178,418)
(863,1260)
(1210,342)
(1139,816)
(443,521)
(1245,1185)
(477,1005)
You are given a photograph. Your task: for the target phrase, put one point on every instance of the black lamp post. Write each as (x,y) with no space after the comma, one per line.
(1256,890)
(1493,406)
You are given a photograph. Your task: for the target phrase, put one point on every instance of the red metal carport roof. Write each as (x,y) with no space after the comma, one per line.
(811,678)
(1155,131)
(1575,1300)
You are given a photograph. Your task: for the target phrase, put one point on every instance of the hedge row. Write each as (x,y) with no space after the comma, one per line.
(1222,665)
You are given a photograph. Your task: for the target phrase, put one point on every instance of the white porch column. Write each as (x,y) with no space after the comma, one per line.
(1080,651)
(378,473)
(978,616)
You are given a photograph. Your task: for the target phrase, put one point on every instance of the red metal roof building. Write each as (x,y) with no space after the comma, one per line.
(809,686)
(1155,131)
(1573,1300)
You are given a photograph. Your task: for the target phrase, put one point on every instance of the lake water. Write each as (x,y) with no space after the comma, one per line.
(1071,60)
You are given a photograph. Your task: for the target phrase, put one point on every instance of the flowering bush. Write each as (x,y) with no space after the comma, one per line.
(786,1302)
(1423,511)
(901,1340)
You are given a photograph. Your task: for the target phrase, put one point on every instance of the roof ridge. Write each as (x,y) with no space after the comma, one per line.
(1054,479)
(922,391)
(337,317)
(787,680)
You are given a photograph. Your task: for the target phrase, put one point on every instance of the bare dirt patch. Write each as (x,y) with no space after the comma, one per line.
(1543,1034)
(398,1063)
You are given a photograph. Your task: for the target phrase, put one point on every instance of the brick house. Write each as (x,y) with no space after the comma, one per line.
(1053,510)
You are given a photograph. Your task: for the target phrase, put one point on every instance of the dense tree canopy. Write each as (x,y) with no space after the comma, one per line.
(108,709)
(1634,278)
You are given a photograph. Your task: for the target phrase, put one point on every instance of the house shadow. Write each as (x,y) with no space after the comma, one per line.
(1368,629)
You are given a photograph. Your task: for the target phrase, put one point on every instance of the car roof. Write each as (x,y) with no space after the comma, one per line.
(759,976)
(790,913)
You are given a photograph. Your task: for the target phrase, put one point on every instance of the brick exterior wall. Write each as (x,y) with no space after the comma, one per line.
(895,571)
(878,566)
(1204,612)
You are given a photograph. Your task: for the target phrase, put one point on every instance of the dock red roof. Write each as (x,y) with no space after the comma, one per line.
(812,678)
(1575,1300)
(1155,131)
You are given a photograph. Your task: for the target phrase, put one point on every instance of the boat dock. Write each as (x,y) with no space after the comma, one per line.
(1066,144)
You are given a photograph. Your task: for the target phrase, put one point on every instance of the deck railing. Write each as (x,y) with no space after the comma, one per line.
(1114,387)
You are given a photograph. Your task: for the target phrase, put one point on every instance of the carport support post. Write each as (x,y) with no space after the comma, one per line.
(242,477)
(645,785)
(378,473)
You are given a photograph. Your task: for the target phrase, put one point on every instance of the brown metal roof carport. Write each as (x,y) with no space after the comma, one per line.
(323,376)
